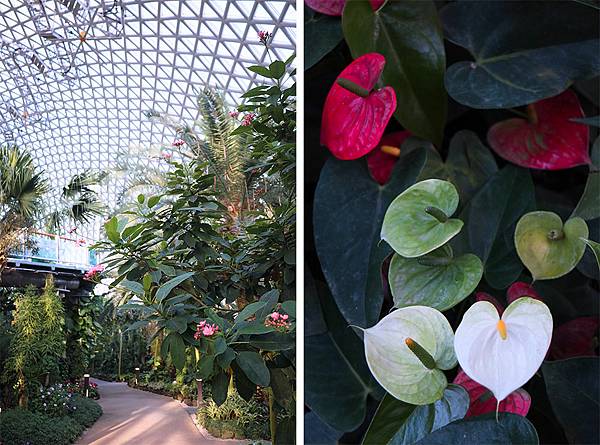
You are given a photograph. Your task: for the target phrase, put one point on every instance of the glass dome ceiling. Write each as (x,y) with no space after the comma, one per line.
(77,76)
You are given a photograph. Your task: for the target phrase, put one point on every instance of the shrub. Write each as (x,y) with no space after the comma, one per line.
(53,401)
(235,418)
(21,427)
(85,411)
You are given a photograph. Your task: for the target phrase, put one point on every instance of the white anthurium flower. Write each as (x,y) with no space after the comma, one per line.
(502,354)
(407,351)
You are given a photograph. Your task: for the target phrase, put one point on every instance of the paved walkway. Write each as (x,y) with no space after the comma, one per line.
(134,417)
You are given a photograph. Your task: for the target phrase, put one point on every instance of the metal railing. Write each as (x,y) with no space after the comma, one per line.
(49,248)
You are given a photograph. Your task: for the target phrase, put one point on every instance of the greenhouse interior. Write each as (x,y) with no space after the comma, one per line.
(147,221)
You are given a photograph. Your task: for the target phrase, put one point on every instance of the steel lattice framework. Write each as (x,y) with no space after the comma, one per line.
(77,76)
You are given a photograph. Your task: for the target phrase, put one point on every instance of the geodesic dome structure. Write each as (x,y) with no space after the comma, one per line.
(77,76)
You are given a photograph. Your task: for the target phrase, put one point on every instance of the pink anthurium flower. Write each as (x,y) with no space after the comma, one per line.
(575,338)
(548,139)
(482,401)
(336,7)
(355,115)
(381,161)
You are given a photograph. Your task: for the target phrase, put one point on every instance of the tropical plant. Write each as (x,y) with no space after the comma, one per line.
(453,223)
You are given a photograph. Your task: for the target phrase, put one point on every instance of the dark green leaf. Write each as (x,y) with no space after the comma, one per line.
(348,212)
(254,367)
(325,34)
(166,288)
(317,432)
(573,388)
(219,385)
(517,61)
(274,341)
(173,344)
(261,70)
(277,70)
(589,204)
(153,200)
(408,33)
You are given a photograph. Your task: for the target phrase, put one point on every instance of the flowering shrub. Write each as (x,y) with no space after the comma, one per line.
(278,321)
(205,329)
(55,401)
(94,273)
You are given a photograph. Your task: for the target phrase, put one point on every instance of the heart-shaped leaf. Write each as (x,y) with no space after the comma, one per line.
(418,220)
(502,354)
(380,161)
(437,280)
(588,206)
(546,247)
(509,429)
(482,401)
(353,122)
(396,31)
(398,423)
(351,258)
(548,139)
(326,34)
(573,388)
(517,61)
(407,351)
(575,338)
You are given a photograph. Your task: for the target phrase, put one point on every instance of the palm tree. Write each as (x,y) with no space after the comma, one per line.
(22,188)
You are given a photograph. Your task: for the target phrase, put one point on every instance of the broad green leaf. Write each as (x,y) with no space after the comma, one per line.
(277,69)
(153,200)
(517,61)
(548,248)
(147,281)
(491,218)
(166,288)
(588,206)
(503,353)
(254,367)
(178,324)
(573,387)
(348,211)
(274,341)
(317,432)
(289,307)
(205,366)
(133,286)
(409,226)
(595,247)
(325,33)
(173,344)
(408,34)
(219,385)
(398,423)
(396,367)
(111,228)
(137,324)
(261,70)
(430,281)
(510,429)
(249,310)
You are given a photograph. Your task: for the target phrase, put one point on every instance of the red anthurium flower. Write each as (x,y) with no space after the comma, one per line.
(482,401)
(520,289)
(575,338)
(381,161)
(336,7)
(354,117)
(549,139)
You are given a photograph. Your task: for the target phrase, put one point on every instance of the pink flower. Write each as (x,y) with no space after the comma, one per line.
(81,242)
(247,120)
(275,315)
(278,321)
(178,142)
(285,316)
(166,155)
(93,272)
(205,329)
(264,36)
(234,114)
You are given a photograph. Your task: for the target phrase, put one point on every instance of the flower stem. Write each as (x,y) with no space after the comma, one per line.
(556,234)
(353,87)
(424,356)
(436,213)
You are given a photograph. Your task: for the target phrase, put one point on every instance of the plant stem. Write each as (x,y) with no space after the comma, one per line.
(353,87)
(436,213)
(424,356)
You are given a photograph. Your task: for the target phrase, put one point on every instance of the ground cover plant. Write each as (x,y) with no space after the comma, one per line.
(452,222)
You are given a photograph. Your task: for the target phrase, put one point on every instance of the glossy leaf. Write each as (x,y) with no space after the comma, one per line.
(548,258)
(491,217)
(548,139)
(326,34)
(173,344)
(510,429)
(573,388)
(517,61)
(166,288)
(588,206)
(317,432)
(398,423)
(254,367)
(502,354)
(482,401)
(352,125)
(409,35)
(595,248)
(396,367)
(381,163)
(347,197)
(575,338)
(440,286)
(408,227)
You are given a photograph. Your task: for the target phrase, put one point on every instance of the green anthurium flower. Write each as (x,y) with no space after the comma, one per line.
(437,280)
(548,248)
(406,352)
(418,220)
(503,353)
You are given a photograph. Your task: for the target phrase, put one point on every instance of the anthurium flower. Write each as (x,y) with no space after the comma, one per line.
(516,290)
(336,7)
(355,115)
(482,401)
(407,351)
(575,338)
(503,353)
(548,139)
(547,247)
(382,159)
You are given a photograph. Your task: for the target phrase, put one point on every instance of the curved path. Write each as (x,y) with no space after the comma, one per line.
(134,417)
